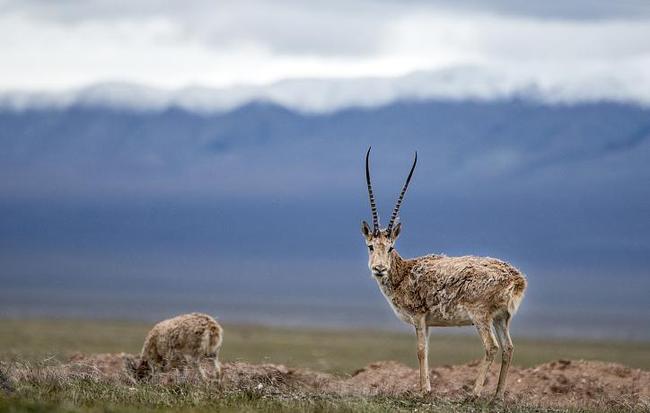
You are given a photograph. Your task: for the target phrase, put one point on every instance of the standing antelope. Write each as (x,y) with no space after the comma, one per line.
(436,290)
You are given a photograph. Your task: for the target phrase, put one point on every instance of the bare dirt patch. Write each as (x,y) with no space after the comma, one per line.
(561,383)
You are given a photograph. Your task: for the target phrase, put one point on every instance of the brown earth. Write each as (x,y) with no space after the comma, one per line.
(562,383)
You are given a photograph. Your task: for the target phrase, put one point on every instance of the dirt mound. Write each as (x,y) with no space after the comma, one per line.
(562,383)
(580,383)
(384,378)
(111,365)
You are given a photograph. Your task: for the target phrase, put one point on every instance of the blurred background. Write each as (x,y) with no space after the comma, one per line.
(157,158)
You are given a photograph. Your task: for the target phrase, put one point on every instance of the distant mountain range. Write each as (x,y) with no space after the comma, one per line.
(494,146)
(263,197)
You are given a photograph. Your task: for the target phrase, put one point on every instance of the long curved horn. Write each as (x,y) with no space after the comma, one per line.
(373,206)
(393,217)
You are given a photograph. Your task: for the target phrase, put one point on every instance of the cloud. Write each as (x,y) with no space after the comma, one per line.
(565,10)
(74,11)
(575,49)
(281,27)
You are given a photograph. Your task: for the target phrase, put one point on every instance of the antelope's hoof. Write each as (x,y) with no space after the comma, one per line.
(498,398)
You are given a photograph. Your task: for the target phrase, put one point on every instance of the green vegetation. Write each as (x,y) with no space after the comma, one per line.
(88,394)
(179,399)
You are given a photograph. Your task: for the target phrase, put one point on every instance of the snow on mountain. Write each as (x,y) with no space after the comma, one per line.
(328,95)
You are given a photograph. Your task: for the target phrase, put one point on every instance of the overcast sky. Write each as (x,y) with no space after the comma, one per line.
(167,44)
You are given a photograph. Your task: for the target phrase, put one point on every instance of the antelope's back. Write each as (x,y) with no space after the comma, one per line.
(473,281)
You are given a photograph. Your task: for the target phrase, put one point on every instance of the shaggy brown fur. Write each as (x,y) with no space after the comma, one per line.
(179,341)
(449,289)
(436,290)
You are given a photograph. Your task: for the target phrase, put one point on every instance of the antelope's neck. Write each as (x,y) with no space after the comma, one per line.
(399,269)
(395,289)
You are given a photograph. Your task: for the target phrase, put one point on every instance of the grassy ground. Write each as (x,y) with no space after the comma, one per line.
(42,342)
(325,350)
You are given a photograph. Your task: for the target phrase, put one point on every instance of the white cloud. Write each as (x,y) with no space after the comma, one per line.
(166,44)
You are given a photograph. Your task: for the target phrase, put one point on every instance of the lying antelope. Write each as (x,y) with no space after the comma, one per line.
(436,290)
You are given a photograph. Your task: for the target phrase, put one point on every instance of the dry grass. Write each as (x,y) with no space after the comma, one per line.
(103,383)
(35,375)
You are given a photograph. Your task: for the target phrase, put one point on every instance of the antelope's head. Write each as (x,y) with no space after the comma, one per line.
(380,242)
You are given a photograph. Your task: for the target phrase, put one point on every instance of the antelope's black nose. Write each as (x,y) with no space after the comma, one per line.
(380,270)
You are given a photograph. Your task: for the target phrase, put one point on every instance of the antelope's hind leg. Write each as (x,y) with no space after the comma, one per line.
(501,327)
(198,363)
(484,328)
(217,369)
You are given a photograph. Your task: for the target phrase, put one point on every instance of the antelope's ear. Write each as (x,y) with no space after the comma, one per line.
(394,233)
(365,229)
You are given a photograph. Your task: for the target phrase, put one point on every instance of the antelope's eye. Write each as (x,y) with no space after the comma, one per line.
(390,249)
(371,248)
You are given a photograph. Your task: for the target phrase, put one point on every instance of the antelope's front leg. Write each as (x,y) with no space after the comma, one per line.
(422,332)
